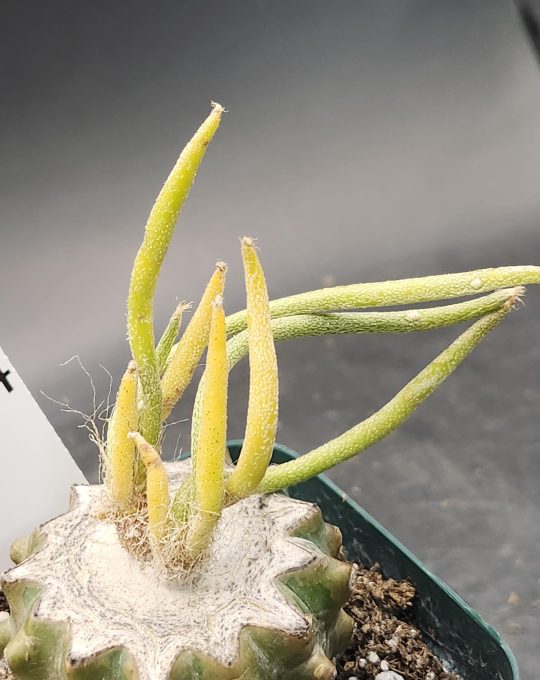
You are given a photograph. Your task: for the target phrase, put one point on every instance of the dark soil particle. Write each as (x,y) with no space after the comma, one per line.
(385,638)
(3,603)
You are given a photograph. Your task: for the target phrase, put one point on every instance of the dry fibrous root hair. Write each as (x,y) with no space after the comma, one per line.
(202,569)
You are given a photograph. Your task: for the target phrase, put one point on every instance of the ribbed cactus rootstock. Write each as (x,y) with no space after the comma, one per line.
(265,604)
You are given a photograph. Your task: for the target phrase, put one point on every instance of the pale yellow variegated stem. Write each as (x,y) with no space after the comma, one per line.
(120,448)
(209,474)
(262,414)
(169,336)
(157,237)
(400,292)
(386,419)
(157,489)
(187,353)
(404,321)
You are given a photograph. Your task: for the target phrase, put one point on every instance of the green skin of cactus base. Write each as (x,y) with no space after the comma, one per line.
(38,648)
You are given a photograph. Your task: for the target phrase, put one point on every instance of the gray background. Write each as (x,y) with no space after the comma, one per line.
(365,140)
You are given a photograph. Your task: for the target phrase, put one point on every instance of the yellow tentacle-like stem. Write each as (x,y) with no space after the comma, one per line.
(187,353)
(262,416)
(157,488)
(157,237)
(209,473)
(121,448)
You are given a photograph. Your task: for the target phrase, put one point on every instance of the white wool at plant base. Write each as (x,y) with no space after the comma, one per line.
(202,569)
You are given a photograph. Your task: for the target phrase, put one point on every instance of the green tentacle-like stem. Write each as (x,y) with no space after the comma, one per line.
(405,321)
(400,292)
(157,237)
(169,336)
(386,419)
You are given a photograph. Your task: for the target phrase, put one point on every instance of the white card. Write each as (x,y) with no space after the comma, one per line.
(36,469)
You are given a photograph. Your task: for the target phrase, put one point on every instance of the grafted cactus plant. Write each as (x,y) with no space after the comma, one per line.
(201,569)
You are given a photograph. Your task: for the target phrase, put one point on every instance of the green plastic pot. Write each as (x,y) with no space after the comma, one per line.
(454,631)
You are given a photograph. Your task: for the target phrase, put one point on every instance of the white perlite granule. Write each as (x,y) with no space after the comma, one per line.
(389,675)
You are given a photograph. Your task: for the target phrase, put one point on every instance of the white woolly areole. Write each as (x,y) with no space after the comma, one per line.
(111,599)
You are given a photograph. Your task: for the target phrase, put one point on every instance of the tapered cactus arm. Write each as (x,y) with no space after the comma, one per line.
(157,489)
(158,234)
(400,292)
(262,414)
(169,336)
(386,419)
(406,321)
(209,472)
(120,459)
(186,355)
